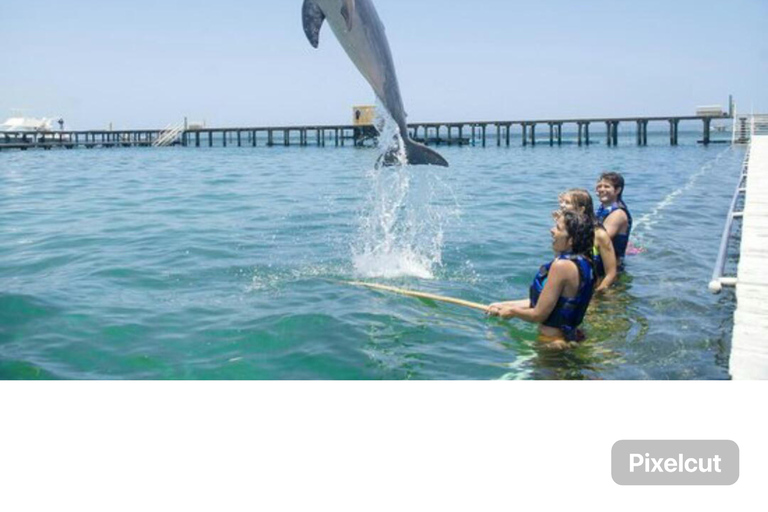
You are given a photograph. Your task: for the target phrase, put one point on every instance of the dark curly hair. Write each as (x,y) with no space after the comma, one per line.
(615,179)
(581,230)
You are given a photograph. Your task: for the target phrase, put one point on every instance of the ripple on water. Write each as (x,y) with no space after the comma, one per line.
(232,262)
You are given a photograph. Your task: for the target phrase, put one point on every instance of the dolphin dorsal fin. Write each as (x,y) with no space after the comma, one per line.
(348,12)
(312,18)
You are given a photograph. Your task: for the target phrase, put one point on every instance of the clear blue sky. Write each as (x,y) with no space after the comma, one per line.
(247,62)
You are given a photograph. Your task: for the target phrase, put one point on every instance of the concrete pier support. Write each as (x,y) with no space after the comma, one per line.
(483,127)
(224,138)
(461,136)
(707,127)
(551,134)
(509,129)
(525,134)
(612,133)
(270,138)
(533,134)
(673,130)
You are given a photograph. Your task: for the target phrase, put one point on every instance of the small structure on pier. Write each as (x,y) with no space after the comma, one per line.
(363,121)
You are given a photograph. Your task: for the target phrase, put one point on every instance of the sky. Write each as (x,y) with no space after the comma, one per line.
(145,64)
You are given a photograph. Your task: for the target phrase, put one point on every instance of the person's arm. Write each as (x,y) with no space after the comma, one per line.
(608,255)
(518,303)
(558,273)
(615,223)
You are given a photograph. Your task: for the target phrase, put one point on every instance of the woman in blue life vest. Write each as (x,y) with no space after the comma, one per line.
(613,213)
(562,289)
(603,255)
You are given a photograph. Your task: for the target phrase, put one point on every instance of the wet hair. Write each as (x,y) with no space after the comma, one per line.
(615,179)
(581,230)
(581,199)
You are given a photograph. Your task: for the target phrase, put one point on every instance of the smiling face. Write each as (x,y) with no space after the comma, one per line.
(606,192)
(561,242)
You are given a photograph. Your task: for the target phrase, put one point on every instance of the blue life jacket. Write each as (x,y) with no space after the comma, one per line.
(569,311)
(620,241)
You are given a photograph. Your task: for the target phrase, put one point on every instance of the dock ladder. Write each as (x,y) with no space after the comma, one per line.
(740,132)
(169,135)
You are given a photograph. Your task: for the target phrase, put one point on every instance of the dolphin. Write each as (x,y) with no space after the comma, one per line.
(359,30)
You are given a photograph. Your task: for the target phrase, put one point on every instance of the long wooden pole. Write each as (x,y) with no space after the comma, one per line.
(421,295)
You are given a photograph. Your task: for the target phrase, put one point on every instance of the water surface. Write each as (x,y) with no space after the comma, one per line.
(229,263)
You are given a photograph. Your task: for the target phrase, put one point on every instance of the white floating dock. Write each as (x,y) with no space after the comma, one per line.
(749,349)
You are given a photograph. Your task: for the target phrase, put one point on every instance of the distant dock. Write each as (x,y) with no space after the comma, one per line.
(475,133)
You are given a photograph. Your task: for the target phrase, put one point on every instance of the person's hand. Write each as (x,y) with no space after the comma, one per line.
(501,310)
(559,345)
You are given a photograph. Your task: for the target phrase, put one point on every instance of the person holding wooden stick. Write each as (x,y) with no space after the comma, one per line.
(562,289)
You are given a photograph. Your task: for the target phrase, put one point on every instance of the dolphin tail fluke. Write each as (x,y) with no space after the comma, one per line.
(419,154)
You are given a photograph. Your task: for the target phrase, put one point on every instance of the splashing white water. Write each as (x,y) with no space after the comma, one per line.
(401,229)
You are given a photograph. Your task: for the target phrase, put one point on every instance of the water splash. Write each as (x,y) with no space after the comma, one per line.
(401,226)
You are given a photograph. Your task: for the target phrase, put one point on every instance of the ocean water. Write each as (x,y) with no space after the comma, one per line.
(233,263)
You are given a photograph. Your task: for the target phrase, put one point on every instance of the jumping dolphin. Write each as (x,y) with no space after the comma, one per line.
(361,34)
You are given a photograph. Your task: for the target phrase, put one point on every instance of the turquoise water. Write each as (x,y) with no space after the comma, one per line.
(229,263)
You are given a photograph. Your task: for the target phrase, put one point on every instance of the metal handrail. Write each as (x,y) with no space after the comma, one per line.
(718,280)
(167,136)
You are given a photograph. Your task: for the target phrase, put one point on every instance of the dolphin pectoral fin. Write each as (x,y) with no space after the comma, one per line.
(348,12)
(312,18)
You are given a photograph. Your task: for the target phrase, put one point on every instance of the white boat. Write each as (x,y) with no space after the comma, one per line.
(19,128)
(27,124)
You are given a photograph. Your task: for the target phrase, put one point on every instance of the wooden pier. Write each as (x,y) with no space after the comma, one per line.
(749,349)
(450,133)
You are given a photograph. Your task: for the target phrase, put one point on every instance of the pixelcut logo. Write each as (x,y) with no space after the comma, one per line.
(675,462)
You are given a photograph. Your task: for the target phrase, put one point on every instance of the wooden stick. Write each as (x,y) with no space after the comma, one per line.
(421,295)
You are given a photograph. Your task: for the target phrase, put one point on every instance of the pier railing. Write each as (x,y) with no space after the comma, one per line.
(718,279)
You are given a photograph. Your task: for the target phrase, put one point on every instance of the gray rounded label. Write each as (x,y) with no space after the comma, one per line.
(668,462)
